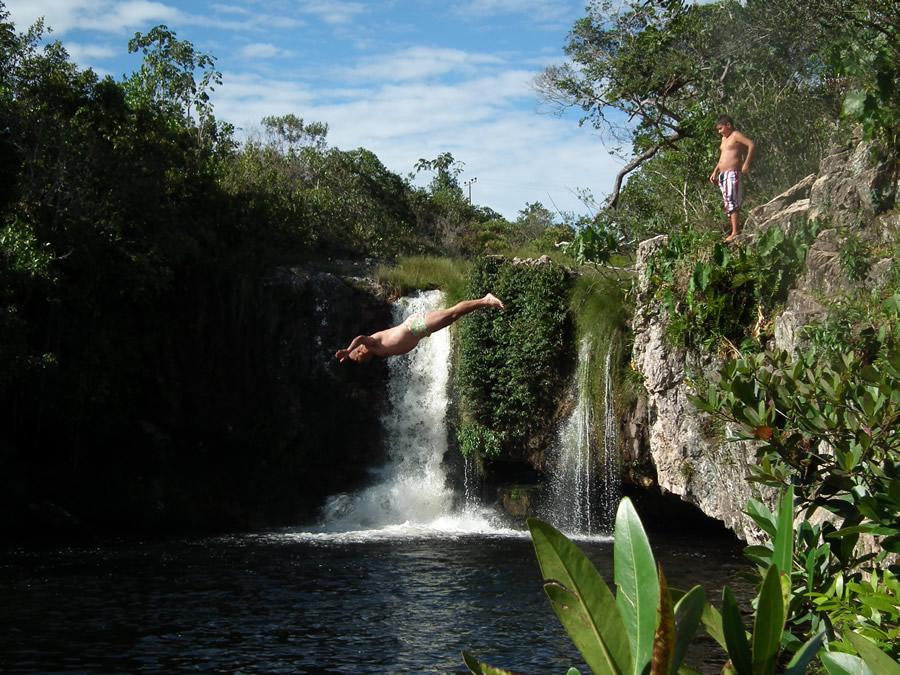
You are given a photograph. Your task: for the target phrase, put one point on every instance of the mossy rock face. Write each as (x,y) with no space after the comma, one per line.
(519,501)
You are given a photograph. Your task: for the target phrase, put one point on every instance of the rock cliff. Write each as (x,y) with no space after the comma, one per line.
(852,196)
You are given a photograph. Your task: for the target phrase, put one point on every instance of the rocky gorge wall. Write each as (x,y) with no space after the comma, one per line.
(675,446)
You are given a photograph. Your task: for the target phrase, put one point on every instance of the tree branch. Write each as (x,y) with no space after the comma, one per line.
(637,161)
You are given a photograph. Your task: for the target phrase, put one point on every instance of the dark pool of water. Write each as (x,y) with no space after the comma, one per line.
(279,603)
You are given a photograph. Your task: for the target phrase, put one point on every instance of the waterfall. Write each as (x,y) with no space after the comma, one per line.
(612,465)
(583,497)
(411,486)
(471,485)
(572,480)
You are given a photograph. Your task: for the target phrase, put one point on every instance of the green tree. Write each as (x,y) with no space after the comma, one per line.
(446,173)
(654,75)
(168,75)
(290,133)
(534,220)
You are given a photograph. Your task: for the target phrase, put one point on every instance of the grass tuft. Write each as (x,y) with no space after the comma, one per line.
(423,273)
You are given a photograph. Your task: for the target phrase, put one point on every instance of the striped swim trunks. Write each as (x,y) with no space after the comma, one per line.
(732,190)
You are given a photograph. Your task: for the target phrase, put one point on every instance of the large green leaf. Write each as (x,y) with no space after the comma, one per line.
(664,640)
(735,635)
(712,622)
(784,533)
(769,623)
(637,584)
(840,663)
(876,659)
(477,668)
(762,516)
(688,611)
(581,600)
(805,655)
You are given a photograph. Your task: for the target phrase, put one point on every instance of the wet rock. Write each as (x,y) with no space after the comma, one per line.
(519,501)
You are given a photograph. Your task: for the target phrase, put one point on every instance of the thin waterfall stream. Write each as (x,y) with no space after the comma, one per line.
(611,478)
(584,484)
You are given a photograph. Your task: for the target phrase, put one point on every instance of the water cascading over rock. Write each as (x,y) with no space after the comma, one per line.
(411,487)
(585,484)
(611,471)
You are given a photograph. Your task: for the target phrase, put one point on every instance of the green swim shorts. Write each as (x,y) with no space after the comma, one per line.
(416,325)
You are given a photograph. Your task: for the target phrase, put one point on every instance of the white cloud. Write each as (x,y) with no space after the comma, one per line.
(245,99)
(418,63)
(88,53)
(332,11)
(61,15)
(114,16)
(134,15)
(261,50)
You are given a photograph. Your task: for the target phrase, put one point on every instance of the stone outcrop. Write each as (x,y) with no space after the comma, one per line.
(853,195)
(686,449)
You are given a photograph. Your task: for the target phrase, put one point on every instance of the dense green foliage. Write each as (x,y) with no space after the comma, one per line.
(510,363)
(868,58)
(712,291)
(827,421)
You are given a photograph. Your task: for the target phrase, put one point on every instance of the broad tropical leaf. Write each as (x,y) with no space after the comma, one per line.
(637,584)
(805,655)
(782,556)
(477,668)
(769,623)
(664,640)
(735,635)
(581,600)
(840,663)
(876,659)
(688,611)
(712,622)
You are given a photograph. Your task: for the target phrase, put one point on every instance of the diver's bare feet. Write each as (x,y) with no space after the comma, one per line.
(493,301)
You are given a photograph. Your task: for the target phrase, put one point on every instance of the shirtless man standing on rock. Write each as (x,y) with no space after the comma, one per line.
(735,156)
(403,338)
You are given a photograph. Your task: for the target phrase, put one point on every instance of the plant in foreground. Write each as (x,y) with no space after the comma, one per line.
(646,626)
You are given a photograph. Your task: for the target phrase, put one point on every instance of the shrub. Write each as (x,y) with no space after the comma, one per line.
(511,362)
(713,292)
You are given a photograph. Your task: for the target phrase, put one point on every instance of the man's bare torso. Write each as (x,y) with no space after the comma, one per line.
(392,341)
(732,151)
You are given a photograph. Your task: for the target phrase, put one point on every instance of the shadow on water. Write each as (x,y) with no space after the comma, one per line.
(295,602)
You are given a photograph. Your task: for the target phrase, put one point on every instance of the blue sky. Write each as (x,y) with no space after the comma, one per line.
(405,79)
